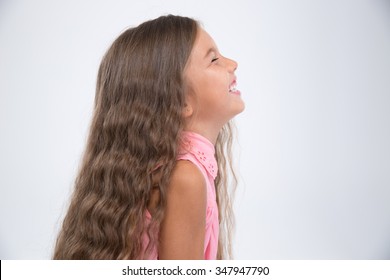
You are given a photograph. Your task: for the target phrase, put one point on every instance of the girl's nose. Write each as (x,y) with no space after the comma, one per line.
(232,64)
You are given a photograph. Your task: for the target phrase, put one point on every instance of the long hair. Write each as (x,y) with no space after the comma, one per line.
(225,184)
(136,127)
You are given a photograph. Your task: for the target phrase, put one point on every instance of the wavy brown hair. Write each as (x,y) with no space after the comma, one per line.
(136,126)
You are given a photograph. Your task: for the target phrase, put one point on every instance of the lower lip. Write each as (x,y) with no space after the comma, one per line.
(237,92)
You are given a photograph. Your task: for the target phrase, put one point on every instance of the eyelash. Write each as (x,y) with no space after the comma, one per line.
(214,59)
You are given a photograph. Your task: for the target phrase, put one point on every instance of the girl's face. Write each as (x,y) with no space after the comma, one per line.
(210,82)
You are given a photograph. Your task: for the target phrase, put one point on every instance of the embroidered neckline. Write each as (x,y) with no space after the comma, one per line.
(202,149)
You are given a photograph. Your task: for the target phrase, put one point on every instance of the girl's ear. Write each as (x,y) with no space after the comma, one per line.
(187,110)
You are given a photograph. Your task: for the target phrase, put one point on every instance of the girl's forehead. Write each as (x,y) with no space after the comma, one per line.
(204,43)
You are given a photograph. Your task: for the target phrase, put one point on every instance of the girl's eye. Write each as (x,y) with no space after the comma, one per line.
(214,59)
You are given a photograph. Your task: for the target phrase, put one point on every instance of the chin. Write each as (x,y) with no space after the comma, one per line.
(240,109)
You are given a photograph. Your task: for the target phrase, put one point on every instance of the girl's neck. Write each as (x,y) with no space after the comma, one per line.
(209,134)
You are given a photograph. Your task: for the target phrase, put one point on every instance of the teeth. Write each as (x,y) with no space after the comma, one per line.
(232,88)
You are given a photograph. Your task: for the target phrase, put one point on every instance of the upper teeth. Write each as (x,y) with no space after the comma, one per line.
(232,87)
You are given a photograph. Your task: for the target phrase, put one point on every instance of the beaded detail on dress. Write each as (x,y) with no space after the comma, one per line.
(202,149)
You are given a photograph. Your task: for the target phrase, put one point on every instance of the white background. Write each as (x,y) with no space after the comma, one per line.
(314,141)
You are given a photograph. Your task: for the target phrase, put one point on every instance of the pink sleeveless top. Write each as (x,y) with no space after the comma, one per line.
(201,152)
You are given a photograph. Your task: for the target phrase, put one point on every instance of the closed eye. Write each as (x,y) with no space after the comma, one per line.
(214,59)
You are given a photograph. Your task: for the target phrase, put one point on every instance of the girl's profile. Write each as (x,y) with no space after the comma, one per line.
(153,182)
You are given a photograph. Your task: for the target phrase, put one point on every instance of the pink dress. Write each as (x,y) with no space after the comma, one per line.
(201,152)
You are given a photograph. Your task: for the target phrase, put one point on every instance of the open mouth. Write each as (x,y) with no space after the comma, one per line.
(233,88)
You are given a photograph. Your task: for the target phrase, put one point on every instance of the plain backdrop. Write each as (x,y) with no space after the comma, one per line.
(313,148)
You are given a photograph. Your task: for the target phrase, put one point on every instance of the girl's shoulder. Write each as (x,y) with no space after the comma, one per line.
(187,179)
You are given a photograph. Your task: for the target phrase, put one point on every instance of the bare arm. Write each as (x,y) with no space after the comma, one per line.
(183,228)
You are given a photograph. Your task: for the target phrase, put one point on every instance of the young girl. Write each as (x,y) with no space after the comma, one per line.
(153,181)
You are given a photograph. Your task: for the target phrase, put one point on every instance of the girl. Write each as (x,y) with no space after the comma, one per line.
(159,138)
